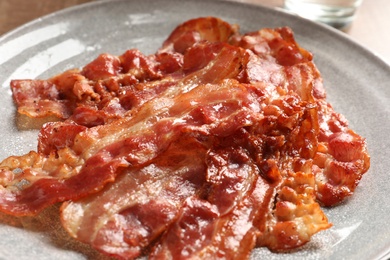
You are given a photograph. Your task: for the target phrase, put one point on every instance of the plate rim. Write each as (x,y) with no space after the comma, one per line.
(380,62)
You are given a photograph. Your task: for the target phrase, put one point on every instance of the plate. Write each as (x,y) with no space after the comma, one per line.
(357,83)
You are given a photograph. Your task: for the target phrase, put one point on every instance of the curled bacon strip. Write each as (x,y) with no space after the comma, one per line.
(217,143)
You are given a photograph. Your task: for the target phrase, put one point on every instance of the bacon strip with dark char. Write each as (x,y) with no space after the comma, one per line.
(217,143)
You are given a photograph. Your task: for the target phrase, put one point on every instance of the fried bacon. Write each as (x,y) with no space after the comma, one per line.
(218,143)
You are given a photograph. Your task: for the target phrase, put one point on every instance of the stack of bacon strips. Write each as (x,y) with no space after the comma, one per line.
(218,143)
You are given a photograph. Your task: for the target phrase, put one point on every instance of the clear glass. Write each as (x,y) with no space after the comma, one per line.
(336,13)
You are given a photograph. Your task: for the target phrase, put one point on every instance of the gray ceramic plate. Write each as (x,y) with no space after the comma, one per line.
(358,85)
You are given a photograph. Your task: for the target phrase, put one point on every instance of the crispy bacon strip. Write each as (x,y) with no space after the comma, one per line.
(218,143)
(341,155)
(231,175)
(98,84)
(222,185)
(100,92)
(106,150)
(223,224)
(202,118)
(102,146)
(129,214)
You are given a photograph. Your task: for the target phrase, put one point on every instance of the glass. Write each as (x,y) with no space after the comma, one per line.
(336,13)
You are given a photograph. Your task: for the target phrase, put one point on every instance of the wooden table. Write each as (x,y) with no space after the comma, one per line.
(370,29)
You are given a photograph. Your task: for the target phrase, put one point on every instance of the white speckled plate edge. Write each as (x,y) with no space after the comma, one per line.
(357,83)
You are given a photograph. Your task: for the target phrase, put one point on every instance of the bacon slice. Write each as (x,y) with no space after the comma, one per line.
(130,213)
(98,93)
(217,143)
(198,120)
(222,225)
(341,156)
(225,179)
(102,146)
(221,187)
(106,150)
